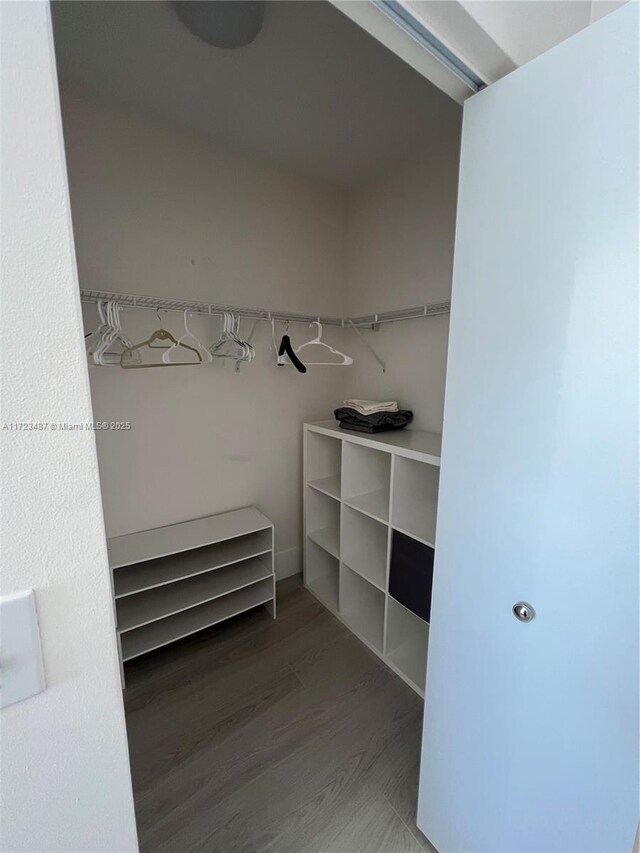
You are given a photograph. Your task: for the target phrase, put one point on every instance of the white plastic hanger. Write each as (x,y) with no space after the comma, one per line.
(93,338)
(248,342)
(106,334)
(100,338)
(181,342)
(317,341)
(235,333)
(230,340)
(127,359)
(119,337)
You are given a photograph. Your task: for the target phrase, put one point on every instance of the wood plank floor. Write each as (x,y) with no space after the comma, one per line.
(283,736)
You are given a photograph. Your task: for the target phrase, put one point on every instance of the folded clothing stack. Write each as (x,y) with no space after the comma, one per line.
(371,407)
(371,416)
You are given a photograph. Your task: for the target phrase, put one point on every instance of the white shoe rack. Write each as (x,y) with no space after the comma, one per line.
(358,490)
(170,582)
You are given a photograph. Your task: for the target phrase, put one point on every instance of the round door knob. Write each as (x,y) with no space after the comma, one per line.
(523,612)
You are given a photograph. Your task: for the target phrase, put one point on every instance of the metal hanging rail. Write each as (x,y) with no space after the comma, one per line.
(407,21)
(154,303)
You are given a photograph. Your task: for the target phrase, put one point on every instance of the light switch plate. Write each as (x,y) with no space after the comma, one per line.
(21,666)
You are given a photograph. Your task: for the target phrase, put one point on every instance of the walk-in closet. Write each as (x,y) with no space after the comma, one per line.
(319,534)
(263,208)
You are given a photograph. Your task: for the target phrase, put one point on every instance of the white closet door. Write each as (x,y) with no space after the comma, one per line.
(531,729)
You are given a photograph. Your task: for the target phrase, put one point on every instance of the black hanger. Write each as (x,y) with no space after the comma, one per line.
(286,348)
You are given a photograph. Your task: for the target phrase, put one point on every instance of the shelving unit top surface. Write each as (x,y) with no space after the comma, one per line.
(184,536)
(412,443)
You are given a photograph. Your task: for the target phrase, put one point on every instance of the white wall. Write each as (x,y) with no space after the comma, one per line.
(159,211)
(400,254)
(65,774)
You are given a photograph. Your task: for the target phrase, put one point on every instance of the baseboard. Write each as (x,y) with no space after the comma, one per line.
(288,563)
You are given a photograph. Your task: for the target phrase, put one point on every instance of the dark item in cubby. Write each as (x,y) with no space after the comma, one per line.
(411,574)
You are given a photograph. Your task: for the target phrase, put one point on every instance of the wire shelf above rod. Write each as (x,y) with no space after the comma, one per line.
(431,310)
(127,300)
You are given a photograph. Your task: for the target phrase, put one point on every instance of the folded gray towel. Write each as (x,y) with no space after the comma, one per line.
(377,422)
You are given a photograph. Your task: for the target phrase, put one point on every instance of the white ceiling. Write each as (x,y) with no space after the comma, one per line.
(528,28)
(313,91)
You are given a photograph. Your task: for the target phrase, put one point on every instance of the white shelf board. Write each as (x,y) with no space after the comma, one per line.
(419,522)
(134,611)
(164,631)
(376,580)
(392,666)
(163,541)
(327,538)
(375,649)
(411,443)
(321,574)
(407,643)
(132,579)
(375,504)
(322,456)
(362,606)
(364,546)
(411,660)
(327,485)
(365,626)
(326,589)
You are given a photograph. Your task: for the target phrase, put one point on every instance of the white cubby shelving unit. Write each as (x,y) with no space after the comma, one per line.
(358,490)
(170,582)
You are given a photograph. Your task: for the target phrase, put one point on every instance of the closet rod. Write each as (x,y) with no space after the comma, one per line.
(154,303)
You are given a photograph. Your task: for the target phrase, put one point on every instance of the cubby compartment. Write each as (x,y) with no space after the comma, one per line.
(322,574)
(362,607)
(407,643)
(364,544)
(323,521)
(366,480)
(323,463)
(415,498)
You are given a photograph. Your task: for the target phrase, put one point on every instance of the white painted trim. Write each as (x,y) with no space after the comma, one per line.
(66,780)
(288,563)
(464,36)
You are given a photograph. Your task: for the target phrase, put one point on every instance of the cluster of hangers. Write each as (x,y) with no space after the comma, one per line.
(287,354)
(108,344)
